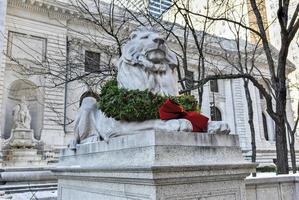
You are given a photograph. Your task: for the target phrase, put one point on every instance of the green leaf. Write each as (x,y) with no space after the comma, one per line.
(136,105)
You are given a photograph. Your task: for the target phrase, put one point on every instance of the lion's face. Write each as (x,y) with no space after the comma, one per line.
(148,49)
(151,45)
(147,64)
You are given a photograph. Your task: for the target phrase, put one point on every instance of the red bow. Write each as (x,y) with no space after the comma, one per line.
(172,110)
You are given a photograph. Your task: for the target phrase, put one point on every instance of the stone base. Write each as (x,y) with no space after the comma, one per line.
(155,165)
(271,186)
(21,138)
(23,157)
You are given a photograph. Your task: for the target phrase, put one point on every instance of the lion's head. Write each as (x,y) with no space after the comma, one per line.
(147,63)
(148,49)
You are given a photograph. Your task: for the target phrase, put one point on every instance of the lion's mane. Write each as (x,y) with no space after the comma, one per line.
(147,63)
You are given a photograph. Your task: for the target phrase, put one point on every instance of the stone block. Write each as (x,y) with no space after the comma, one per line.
(23,157)
(21,138)
(271,186)
(155,165)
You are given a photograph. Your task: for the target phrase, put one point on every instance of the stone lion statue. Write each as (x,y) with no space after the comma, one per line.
(146,63)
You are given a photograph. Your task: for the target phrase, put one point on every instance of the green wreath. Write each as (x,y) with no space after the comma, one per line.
(136,105)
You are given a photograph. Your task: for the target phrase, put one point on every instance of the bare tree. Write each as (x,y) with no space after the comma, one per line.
(105,31)
(276,102)
(111,20)
(289,27)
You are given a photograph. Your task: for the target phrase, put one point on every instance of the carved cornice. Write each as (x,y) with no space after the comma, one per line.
(65,11)
(62,10)
(57,9)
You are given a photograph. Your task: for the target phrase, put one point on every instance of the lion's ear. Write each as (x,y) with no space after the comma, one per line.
(129,54)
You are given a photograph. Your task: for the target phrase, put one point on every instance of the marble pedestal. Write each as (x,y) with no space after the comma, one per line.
(155,165)
(23,157)
(21,149)
(23,138)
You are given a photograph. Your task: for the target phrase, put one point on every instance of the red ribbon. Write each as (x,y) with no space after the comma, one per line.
(173,110)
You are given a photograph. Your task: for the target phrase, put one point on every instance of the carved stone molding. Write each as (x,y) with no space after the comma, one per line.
(57,9)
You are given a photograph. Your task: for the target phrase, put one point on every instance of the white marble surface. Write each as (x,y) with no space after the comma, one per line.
(21,115)
(140,149)
(155,165)
(86,122)
(218,127)
(41,195)
(271,186)
(148,64)
(2,24)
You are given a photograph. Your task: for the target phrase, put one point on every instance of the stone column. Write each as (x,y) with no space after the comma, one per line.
(155,165)
(3,5)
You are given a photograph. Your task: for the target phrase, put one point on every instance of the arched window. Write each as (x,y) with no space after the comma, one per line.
(215,114)
(265,126)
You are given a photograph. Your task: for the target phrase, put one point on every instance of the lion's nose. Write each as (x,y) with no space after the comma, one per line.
(159,40)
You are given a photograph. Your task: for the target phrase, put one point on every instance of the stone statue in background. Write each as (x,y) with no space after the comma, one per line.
(146,64)
(21,115)
(22,136)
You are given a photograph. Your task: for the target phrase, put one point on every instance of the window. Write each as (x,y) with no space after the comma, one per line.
(92,62)
(26,47)
(265,126)
(157,7)
(189,79)
(215,114)
(214,86)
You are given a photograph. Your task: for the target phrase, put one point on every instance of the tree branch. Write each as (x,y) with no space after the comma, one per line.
(261,88)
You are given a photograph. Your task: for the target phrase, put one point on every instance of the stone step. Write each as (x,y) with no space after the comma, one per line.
(270,160)
(10,189)
(267,157)
(270,156)
(18,163)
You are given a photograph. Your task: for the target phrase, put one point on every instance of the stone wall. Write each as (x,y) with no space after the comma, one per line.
(2,47)
(283,187)
(34,24)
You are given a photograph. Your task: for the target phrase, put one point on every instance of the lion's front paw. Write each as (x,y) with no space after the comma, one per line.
(179,125)
(218,127)
(185,125)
